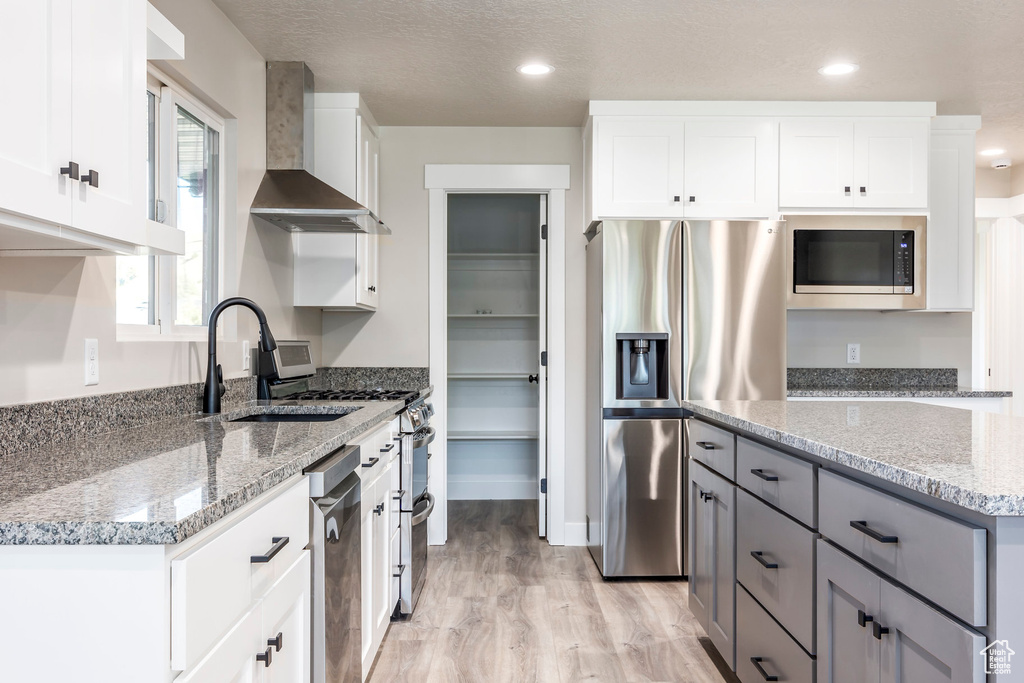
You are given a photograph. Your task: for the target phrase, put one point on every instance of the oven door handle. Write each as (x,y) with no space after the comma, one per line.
(421,517)
(425,440)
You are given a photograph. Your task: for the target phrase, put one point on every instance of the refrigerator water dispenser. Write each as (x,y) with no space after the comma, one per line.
(642,365)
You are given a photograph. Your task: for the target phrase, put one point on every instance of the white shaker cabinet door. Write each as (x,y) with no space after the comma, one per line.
(108,130)
(638,165)
(233,659)
(286,625)
(816,163)
(891,164)
(35,121)
(730,168)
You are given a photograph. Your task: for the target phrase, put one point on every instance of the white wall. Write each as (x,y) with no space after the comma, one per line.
(899,339)
(48,306)
(397,333)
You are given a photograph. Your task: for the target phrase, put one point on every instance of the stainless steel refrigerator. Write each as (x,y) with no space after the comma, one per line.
(676,310)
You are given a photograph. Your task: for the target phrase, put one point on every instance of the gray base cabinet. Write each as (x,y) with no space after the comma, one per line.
(764,649)
(870,630)
(712,535)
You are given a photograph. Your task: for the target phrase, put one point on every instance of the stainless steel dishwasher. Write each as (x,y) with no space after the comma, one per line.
(337,577)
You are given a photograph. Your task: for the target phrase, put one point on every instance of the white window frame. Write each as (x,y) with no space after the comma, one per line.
(169,96)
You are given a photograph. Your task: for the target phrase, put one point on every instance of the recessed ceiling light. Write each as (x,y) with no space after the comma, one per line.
(838,69)
(535,69)
(992,152)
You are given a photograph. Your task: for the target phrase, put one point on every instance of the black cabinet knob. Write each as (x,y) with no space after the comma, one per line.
(92,178)
(692,199)
(266,657)
(379,510)
(863,190)
(676,198)
(71,170)
(533,378)
(877,630)
(276,642)
(863,618)
(372,288)
(847,189)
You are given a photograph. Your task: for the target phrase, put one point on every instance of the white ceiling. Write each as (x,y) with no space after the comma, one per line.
(452,62)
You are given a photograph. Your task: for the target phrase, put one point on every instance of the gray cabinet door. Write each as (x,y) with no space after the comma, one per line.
(718,499)
(848,595)
(924,646)
(699,546)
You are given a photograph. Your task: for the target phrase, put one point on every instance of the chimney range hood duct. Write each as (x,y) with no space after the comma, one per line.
(290,196)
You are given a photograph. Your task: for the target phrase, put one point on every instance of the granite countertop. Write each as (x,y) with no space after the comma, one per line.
(896,392)
(163,482)
(969,458)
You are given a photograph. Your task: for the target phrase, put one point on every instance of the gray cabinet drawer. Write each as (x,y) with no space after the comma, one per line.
(712,446)
(786,589)
(782,480)
(940,558)
(762,642)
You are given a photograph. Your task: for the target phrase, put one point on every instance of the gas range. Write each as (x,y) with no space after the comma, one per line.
(355,395)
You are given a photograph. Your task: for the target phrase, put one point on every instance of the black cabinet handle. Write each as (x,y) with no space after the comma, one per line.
(863,618)
(759,556)
(706,446)
(877,630)
(277,642)
(379,509)
(863,190)
(847,189)
(71,170)
(707,495)
(863,527)
(675,198)
(760,474)
(399,494)
(266,657)
(92,178)
(756,661)
(373,461)
(533,378)
(692,199)
(279,542)
(401,570)
(372,288)
(387,449)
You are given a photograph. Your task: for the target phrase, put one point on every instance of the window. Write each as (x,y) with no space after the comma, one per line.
(161,296)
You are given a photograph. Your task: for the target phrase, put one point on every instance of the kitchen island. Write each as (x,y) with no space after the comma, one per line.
(884,538)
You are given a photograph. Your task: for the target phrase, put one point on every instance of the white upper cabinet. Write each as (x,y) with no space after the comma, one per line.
(951,217)
(730,168)
(638,168)
(108,102)
(35,63)
(340,271)
(646,167)
(853,164)
(72,161)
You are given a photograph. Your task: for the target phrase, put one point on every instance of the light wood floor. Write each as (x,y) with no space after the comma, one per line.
(500,604)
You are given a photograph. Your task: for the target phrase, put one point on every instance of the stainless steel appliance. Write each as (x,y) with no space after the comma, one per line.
(337,576)
(415,502)
(868,266)
(675,310)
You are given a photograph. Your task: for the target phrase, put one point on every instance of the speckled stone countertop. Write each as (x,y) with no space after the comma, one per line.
(968,458)
(895,392)
(163,482)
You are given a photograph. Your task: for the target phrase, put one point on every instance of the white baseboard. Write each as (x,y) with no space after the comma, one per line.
(516,489)
(576,533)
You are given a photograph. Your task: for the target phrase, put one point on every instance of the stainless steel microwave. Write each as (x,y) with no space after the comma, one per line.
(864,267)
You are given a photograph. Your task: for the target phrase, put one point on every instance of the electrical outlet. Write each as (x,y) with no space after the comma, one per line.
(245,356)
(92,362)
(853,353)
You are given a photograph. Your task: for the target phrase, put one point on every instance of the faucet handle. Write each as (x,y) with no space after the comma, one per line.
(221,388)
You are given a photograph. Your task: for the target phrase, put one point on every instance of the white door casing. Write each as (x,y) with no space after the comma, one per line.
(542,373)
(552,181)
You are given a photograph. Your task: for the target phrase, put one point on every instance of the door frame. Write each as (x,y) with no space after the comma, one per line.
(546,179)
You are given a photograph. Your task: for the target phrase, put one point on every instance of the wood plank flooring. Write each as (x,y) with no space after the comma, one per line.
(502,605)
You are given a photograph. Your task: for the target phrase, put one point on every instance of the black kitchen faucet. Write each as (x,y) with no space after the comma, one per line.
(214,387)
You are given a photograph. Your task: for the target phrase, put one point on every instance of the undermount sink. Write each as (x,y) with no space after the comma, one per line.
(291,417)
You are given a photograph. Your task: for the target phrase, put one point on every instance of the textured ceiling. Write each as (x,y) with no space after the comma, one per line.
(452,62)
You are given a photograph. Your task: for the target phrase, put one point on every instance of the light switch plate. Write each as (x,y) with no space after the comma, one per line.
(92,362)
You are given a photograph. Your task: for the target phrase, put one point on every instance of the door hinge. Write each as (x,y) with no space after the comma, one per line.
(544,232)
(543,359)
(544,485)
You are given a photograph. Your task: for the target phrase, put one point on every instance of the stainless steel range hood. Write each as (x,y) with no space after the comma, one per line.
(290,196)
